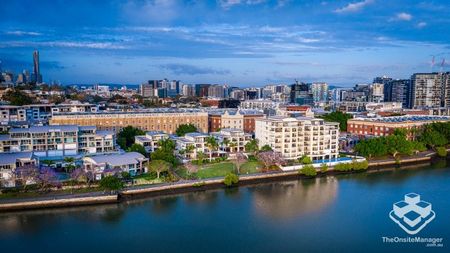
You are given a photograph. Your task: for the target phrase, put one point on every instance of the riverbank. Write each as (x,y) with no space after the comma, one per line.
(96,198)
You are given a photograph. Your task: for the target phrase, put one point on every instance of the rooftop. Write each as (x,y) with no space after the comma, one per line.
(406,118)
(10,158)
(118,159)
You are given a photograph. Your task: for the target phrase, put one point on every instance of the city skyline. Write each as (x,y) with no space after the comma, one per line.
(342,43)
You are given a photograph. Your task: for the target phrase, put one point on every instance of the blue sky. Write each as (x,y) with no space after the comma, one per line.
(239,42)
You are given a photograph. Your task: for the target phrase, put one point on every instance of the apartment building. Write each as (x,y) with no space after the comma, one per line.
(241,119)
(383,126)
(8,164)
(232,140)
(150,140)
(100,165)
(197,140)
(430,90)
(56,141)
(296,137)
(166,121)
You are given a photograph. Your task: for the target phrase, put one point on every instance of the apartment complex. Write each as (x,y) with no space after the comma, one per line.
(8,164)
(150,140)
(55,141)
(296,137)
(243,120)
(166,121)
(232,140)
(195,140)
(386,125)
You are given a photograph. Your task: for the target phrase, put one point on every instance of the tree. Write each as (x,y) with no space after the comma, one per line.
(231,179)
(270,158)
(233,146)
(266,148)
(340,117)
(212,145)
(17,97)
(158,166)
(111,183)
(433,138)
(189,149)
(225,144)
(200,157)
(238,160)
(252,146)
(125,138)
(308,170)
(183,129)
(47,178)
(306,160)
(323,167)
(48,163)
(137,148)
(165,151)
(69,163)
(26,174)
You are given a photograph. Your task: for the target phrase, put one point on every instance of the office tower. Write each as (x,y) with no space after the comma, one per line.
(430,90)
(201,90)
(320,92)
(146,90)
(398,91)
(301,94)
(216,91)
(37,77)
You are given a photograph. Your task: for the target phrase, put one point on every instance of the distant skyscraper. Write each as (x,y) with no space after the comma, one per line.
(37,77)
(320,92)
(398,91)
(376,92)
(301,94)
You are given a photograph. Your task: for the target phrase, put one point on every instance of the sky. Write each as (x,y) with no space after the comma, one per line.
(237,42)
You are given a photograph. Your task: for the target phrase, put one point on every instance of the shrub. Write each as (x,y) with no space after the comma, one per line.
(231,179)
(308,170)
(199,184)
(111,183)
(441,151)
(323,167)
(305,160)
(343,167)
(360,165)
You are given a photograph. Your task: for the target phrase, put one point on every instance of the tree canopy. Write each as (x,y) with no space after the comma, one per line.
(338,117)
(158,166)
(125,138)
(185,128)
(137,148)
(17,97)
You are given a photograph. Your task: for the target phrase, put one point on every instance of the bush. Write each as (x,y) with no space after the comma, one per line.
(305,160)
(441,151)
(111,183)
(308,170)
(360,165)
(199,184)
(323,167)
(343,167)
(231,179)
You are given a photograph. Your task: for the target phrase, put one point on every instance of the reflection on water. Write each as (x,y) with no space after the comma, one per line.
(285,200)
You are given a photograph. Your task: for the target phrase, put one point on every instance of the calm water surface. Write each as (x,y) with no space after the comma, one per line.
(334,214)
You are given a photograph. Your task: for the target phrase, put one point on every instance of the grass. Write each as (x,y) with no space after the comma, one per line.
(35,194)
(215,170)
(250,167)
(182,172)
(148,178)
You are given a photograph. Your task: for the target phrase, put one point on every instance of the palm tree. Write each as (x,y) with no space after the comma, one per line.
(70,163)
(233,146)
(225,144)
(212,145)
(189,149)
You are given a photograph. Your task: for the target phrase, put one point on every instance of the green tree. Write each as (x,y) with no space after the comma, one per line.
(69,163)
(323,167)
(137,148)
(308,170)
(252,146)
(185,128)
(212,145)
(158,166)
(17,97)
(340,117)
(433,138)
(125,138)
(231,179)
(305,160)
(111,183)
(266,148)
(200,158)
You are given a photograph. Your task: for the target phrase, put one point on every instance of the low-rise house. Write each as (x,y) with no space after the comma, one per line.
(150,140)
(232,140)
(131,162)
(8,164)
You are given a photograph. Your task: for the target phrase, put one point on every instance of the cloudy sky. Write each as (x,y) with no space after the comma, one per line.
(239,42)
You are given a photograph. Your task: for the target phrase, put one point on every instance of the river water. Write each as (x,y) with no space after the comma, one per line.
(348,213)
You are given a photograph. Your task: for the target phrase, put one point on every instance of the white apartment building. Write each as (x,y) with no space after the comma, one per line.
(56,141)
(295,137)
(259,104)
(232,140)
(8,164)
(150,140)
(197,140)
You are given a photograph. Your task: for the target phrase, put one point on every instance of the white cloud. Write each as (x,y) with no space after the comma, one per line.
(421,25)
(227,4)
(67,44)
(403,16)
(156,11)
(354,7)
(23,33)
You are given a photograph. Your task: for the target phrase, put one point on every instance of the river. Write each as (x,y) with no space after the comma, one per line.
(330,214)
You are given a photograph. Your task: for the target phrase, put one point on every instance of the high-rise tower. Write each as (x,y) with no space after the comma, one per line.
(37,77)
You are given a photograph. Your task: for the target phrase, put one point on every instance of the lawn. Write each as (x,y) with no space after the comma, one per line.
(250,167)
(215,170)
(147,178)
